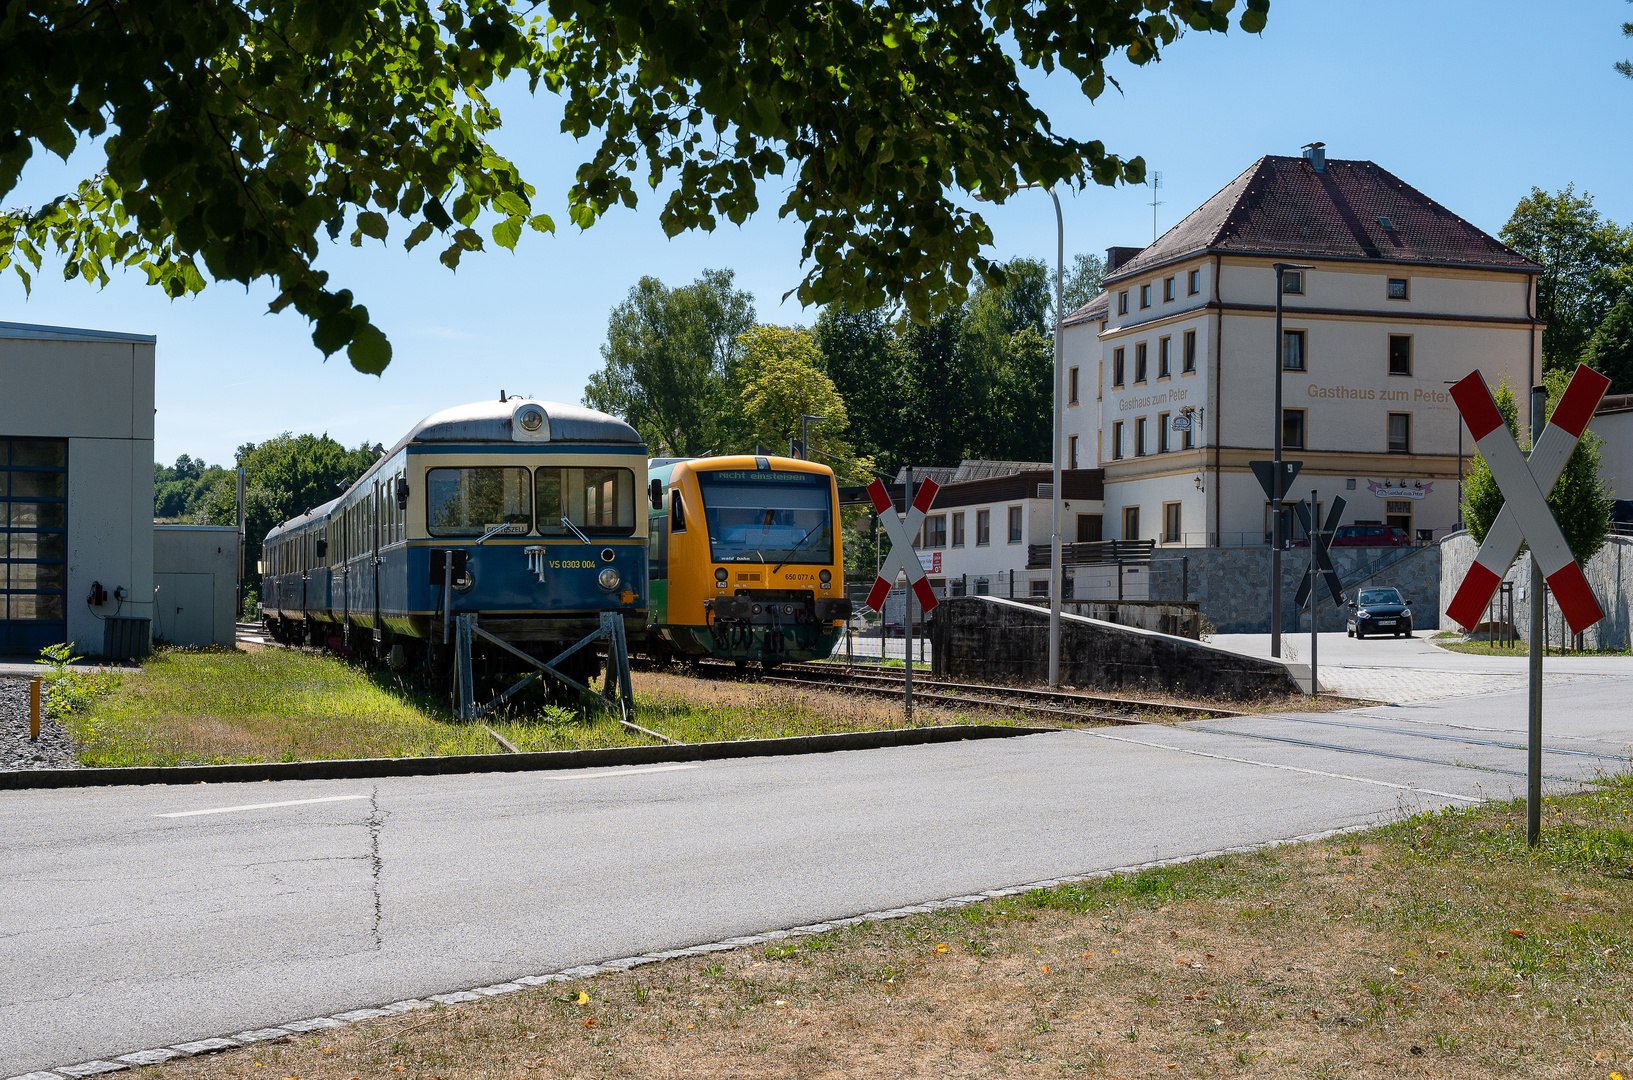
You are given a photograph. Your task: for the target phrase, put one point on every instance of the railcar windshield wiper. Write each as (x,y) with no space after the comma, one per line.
(795,549)
(574,529)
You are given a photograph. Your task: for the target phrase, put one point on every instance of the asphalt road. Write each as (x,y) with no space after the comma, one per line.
(132,920)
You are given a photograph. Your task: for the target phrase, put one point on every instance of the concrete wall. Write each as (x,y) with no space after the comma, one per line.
(1232,584)
(1616,455)
(1609,574)
(993,640)
(195,572)
(94,389)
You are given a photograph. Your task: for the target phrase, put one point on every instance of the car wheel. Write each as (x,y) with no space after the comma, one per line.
(1359,633)
(1348,632)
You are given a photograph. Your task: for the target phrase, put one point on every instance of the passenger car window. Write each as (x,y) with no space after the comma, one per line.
(600,501)
(469,502)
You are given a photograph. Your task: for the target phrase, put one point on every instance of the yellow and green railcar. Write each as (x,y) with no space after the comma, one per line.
(744,558)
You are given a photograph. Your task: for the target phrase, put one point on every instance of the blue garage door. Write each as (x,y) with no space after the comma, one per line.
(33,543)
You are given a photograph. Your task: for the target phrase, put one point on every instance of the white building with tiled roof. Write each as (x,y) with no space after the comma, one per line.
(1401,298)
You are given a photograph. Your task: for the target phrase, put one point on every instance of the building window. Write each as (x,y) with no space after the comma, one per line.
(1162,433)
(1014,524)
(1188,437)
(1122,302)
(1400,433)
(1292,428)
(1071,454)
(1398,513)
(1190,350)
(1165,357)
(1398,289)
(1139,437)
(1292,282)
(935,531)
(1117,367)
(1139,362)
(1040,587)
(1131,523)
(983,528)
(1193,282)
(1167,288)
(1145,296)
(958,529)
(1117,441)
(1071,386)
(33,543)
(1400,354)
(1170,523)
(1292,350)
(983,586)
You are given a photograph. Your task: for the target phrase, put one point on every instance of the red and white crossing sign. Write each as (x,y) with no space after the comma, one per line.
(902,557)
(1525,483)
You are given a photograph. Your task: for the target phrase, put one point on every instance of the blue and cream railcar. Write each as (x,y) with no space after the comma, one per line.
(745,559)
(536,504)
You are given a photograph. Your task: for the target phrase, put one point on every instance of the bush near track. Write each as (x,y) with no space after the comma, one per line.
(1438,946)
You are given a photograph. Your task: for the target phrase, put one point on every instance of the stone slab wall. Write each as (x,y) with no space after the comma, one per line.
(1609,574)
(989,639)
(1231,585)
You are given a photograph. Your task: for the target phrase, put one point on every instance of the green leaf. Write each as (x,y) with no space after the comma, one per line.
(373,223)
(333,331)
(418,236)
(369,351)
(507,232)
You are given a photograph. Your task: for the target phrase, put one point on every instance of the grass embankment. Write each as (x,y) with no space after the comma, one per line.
(1438,946)
(288,705)
(1520,649)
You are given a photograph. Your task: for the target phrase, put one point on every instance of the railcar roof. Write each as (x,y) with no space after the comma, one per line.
(490,421)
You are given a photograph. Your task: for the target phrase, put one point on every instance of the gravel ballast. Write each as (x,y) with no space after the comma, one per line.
(55,748)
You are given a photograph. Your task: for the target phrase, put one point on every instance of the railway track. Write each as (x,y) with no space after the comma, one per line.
(880,681)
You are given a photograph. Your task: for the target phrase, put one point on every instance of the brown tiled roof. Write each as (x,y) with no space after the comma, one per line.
(1282,206)
(1094,309)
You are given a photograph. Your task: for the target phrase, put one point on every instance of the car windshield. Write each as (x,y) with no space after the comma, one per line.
(758,515)
(1379,596)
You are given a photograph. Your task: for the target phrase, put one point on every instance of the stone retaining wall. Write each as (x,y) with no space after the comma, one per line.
(990,639)
(1232,584)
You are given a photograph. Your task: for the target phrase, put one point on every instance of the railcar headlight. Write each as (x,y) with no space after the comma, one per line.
(826,576)
(720,573)
(608,579)
(532,419)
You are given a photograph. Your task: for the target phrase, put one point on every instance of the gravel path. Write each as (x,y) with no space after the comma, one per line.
(55,750)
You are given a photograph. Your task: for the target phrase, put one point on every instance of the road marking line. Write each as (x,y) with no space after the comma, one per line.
(1285,768)
(624,772)
(261,806)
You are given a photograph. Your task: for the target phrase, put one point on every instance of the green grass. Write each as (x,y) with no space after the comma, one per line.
(1490,648)
(190,707)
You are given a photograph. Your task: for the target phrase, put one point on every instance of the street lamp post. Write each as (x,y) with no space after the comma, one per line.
(1282,270)
(1453,382)
(1056,582)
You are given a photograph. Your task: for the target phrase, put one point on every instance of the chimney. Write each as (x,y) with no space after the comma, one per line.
(1316,154)
(1117,256)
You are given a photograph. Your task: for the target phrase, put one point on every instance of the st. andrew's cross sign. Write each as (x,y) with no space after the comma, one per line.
(1321,540)
(901,557)
(1525,484)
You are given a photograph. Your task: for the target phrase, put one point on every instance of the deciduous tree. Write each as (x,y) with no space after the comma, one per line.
(1582,257)
(236,133)
(1610,349)
(670,363)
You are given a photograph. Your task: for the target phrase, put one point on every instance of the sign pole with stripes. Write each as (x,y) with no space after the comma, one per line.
(1525,518)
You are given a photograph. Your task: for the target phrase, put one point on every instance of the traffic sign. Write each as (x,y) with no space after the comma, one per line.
(1266,472)
(900,532)
(1525,483)
(1320,541)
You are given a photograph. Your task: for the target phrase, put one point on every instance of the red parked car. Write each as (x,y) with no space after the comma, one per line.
(1365,536)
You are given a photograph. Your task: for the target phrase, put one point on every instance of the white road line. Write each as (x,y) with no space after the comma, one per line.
(621,772)
(1285,768)
(262,806)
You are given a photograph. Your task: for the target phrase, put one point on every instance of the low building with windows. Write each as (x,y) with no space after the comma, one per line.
(984,531)
(1171,370)
(76,485)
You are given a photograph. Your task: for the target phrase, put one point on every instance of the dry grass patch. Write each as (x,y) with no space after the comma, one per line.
(1435,947)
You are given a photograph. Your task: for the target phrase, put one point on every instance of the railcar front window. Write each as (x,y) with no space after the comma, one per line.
(600,501)
(469,502)
(757,515)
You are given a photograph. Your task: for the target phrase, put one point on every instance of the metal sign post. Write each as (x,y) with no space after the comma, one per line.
(1525,518)
(1276,477)
(1320,565)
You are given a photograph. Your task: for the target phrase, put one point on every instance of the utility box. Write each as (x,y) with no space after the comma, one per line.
(125,638)
(195,584)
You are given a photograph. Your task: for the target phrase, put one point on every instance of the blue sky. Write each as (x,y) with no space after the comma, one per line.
(1472,103)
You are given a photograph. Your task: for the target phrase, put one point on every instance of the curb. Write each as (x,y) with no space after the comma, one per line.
(372,768)
(154,1056)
